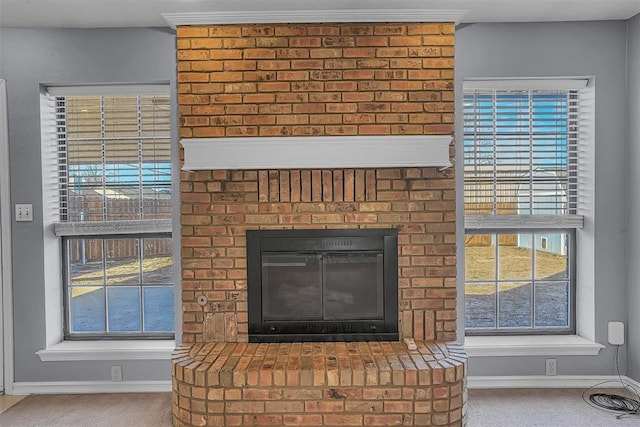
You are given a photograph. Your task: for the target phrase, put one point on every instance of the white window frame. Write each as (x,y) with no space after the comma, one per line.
(56,348)
(584,310)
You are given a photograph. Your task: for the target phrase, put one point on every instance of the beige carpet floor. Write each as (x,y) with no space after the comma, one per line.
(90,410)
(540,408)
(487,408)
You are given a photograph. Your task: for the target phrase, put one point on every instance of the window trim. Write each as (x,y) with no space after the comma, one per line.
(112,228)
(530,345)
(65,351)
(106,335)
(55,314)
(106,89)
(585,326)
(538,83)
(6,284)
(529,222)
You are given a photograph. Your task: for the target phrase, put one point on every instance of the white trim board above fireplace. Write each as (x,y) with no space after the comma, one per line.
(319,152)
(314,15)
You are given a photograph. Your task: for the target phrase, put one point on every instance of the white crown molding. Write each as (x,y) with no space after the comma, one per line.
(316,152)
(82,387)
(314,16)
(543,381)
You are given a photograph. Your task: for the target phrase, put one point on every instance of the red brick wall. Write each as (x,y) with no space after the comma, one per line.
(319,384)
(333,79)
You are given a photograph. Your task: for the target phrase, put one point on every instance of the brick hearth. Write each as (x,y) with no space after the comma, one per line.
(278,80)
(313,384)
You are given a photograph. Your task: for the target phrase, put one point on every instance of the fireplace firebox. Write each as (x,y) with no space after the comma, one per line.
(322,285)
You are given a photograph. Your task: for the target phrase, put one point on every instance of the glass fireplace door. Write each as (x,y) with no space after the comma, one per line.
(292,286)
(322,286)
(353,287)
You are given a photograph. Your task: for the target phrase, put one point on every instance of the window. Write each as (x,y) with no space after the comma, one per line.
(109,153)
(522,200)
(513,282)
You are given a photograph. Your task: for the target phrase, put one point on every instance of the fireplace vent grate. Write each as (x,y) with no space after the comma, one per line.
(323,328)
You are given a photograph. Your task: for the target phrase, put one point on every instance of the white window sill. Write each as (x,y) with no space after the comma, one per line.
(530,345)
(108,350)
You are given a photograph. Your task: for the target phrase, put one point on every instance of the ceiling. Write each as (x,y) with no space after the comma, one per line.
(147,13)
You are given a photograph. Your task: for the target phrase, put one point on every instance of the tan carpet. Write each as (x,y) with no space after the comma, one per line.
(487,408)
(91,410)
(540,408)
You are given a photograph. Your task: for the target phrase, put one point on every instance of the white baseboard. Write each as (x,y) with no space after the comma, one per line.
(633,382)
(543,381)
(84,387)
(473,382)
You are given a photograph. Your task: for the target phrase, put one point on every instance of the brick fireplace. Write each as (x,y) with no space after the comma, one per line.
(316,80)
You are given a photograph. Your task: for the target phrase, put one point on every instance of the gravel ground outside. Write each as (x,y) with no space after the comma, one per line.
(121,303)
(126,306)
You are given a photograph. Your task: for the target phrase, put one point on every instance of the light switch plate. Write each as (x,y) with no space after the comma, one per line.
(24,212)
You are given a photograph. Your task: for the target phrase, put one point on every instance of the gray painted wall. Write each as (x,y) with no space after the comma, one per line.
(633,299)
(565,49)
(28,58)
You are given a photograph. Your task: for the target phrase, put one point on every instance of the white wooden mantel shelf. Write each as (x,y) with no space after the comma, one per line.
(317,152)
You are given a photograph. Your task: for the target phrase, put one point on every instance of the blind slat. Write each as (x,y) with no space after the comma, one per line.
(111,153)
(521,151)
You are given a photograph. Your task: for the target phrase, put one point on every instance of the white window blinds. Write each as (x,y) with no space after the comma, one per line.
(112,154)
(521,154)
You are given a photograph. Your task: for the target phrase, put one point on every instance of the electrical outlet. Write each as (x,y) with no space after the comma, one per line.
(116,373)
(24,212)
(551,367)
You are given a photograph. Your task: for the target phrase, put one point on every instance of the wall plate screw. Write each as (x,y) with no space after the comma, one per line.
(202,300)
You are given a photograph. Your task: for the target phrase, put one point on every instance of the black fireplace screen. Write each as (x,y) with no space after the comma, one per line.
(322,285)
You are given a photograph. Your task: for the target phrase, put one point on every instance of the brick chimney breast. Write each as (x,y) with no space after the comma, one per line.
(317,80)
(278,80)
